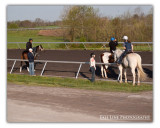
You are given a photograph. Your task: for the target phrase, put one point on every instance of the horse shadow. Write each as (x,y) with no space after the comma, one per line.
(110,72)
(148,72)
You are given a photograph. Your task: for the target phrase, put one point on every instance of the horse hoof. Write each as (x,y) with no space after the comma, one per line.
(106,77)
(120,81)
(133,84)
(138,84)
(125,81)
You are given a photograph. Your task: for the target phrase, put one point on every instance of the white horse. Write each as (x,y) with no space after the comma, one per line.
(133,61)
(106,57)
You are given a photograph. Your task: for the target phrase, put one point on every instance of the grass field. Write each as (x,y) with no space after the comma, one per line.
(143,47)
(76,83)
(23,36)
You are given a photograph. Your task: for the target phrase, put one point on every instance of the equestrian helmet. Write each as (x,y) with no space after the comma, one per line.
(112,39)
(125,38)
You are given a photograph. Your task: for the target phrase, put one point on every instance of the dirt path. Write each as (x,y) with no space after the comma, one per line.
(70,70)
(52,104)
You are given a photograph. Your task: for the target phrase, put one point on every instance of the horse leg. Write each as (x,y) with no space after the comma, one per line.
(21,66)
(28,67)
(27,64)
(120,72)
(133,73)
(105,71)
(125,74)
(138,77)
(21,63)
(102,71)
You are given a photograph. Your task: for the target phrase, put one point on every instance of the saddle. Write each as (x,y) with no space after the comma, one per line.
(128,53)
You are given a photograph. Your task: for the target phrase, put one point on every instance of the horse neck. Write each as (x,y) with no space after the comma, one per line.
(37,48)
(119,54)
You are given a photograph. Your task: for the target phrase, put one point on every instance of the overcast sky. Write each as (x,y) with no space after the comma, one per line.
(52,13)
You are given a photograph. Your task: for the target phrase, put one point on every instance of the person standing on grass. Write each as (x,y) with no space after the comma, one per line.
(31,62)
(92,66)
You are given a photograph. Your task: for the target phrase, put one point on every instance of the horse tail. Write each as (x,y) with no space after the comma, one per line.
(143,75)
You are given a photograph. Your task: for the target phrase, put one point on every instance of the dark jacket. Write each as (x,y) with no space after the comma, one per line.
(30,57)
(112,45)
(128,45)
(28,46)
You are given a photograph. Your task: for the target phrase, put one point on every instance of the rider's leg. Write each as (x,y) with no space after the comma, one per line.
(121,57)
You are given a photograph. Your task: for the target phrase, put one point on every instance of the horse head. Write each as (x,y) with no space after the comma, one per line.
(117,54)
(40,48)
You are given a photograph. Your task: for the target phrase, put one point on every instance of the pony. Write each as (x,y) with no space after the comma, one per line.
(24,56)
(132,61)
(106,57)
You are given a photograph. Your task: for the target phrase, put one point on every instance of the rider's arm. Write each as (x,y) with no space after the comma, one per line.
(124,47)
(132,47)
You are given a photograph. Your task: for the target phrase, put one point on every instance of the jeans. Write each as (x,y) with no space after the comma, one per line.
(31,68)
(93,74)
(119,61)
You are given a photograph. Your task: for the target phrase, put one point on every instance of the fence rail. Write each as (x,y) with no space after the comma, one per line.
(67,62)
(85,47)
(80,42)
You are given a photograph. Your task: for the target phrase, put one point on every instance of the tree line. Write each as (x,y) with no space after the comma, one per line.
(85,24)
(31,24)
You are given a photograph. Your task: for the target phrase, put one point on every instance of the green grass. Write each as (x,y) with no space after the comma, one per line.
(75,46)
(23,36)
(76,83)
(45,46)
(48,27)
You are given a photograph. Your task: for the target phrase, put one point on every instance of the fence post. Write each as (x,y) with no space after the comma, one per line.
(84,46)
(149,46)
(66,46)
(78,70)
(43,68)
(49,46)
(18,45)
(13,66)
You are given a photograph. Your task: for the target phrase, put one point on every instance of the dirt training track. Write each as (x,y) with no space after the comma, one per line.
(70,70)
(46,104)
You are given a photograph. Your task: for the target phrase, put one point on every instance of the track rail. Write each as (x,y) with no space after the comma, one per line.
(66,62)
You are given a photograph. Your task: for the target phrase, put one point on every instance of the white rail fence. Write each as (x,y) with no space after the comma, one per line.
(66,62)
(103,43)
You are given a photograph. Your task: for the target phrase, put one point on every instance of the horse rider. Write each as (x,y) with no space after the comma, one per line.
(29,45)
(128,47)
(112,44)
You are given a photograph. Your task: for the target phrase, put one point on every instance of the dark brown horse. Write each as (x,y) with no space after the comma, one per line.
(24,56)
